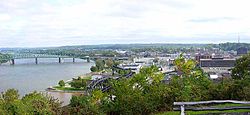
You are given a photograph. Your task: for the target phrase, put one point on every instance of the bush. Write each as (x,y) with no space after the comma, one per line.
(93,69)
(81,105)
(30,104)
(142,94)
(79,83)
(61,83)
(242,67)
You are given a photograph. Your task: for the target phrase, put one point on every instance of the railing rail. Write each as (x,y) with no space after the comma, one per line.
(183,104)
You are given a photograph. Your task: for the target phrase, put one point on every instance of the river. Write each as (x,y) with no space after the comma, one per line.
(26,76)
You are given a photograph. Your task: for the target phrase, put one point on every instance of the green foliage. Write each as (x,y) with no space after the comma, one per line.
(192,88)
(30,104)
(61,83)
(142,94)
(10,103)
(93,69)
(242,67)
(184,66)
(104,64)
(79,83)
(123,72)
(109,63)
(4,58)
(82,105)
(10,95)
(100,64)
(233,46)
(41,104)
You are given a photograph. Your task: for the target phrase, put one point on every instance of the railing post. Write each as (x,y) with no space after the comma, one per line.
(182,110)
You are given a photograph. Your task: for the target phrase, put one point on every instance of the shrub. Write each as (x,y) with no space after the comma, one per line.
(61,83)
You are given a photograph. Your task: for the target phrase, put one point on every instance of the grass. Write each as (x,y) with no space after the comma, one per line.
(87,77)
(67,88)
(203,112)
(230,105)
(207,112)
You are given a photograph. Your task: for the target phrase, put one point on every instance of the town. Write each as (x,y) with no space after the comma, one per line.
(127,61)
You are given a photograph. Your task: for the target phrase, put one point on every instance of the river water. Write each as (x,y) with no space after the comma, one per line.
(26,76)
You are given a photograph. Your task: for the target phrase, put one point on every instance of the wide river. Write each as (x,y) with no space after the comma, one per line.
(26,76)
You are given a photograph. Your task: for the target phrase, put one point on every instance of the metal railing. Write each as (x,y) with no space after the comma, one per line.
(183,104)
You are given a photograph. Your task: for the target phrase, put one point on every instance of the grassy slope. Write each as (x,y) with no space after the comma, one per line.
(203,112)
(67,88)
(206,112)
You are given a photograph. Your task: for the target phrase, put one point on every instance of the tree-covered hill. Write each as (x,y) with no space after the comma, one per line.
(233,46)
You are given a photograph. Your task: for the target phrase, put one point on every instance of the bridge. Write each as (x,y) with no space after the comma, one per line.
(60,57)
(103,82)
(37,56)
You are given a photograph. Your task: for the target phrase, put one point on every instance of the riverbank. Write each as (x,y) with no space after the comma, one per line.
(69,89)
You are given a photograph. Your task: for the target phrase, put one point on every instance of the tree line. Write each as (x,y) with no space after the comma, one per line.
(4,58)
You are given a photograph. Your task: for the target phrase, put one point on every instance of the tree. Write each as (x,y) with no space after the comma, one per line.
(11,103)
(156,60)
(109,63)
(4,58)
(184,66)
(79,83)
(100,64)
(191,84)
(41,104)
(242,67)
(82,105)
(33,103)
(142,94)
(61,83)
(10,95)
(93,69)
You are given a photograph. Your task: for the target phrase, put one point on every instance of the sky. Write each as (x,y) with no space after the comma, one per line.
(42,23)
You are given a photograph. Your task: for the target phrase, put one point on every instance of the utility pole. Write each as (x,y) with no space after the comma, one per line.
(238,38)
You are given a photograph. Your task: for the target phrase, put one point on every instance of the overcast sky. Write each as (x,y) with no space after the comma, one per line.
(38,23)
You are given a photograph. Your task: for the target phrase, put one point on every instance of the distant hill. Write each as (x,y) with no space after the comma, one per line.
(131,46)
(233,46)
(223,46)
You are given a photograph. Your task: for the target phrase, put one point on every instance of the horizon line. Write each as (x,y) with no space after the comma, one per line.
(57,46)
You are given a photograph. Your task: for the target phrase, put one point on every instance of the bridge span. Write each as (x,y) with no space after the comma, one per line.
(60,57)
(37,56)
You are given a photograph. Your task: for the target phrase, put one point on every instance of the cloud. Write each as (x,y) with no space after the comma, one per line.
(217,19)
(35,23)
(4,17)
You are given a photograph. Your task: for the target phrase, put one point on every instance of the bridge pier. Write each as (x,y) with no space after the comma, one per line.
(12,61)
(88,59)
(36,60)
(60,60)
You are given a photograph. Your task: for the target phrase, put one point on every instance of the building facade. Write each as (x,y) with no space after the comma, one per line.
(242,51)
(217,62)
